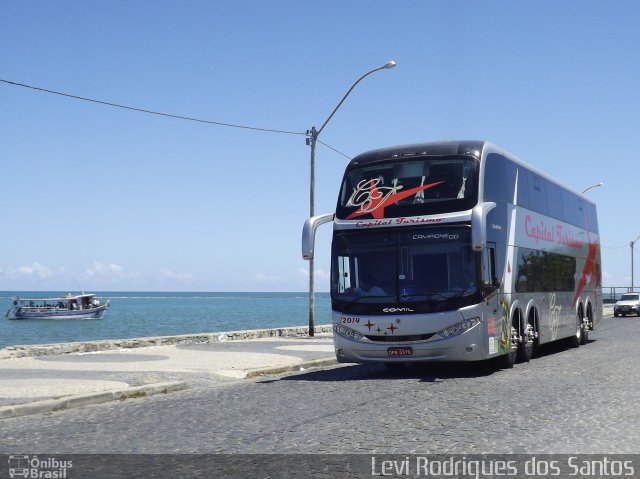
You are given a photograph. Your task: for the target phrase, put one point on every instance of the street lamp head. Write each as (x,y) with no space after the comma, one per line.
(386,66)
(593,186)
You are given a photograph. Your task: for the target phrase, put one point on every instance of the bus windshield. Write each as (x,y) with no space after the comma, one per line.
(427,266)
(395,188)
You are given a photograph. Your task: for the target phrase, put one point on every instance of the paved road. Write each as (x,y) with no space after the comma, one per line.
(566,400)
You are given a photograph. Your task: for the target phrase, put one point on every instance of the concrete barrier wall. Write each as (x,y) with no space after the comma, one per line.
(110,344)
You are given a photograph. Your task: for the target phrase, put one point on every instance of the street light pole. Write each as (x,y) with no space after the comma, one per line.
(312,138)
(593,186)
(312,194)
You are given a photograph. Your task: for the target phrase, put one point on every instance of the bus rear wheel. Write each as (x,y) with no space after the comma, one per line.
(528,338)
(576,340)
(586,326)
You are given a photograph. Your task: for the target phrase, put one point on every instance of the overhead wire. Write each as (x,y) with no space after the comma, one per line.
(170,115)
(615,247)
(151,112)
(332,148)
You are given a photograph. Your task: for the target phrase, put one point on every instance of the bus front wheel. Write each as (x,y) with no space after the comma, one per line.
(506,361)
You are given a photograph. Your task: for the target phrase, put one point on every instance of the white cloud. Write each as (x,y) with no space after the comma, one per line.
(264,278)
(105,271)
(318,274)
(101,274)
(35,270)
(168,275)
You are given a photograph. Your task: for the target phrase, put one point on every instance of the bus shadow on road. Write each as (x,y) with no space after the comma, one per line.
(556,347)
(424,372)
(434,372)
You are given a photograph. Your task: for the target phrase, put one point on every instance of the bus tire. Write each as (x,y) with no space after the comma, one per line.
(506,361)
(587,326)
(525,347)
(585,336)
(576,340)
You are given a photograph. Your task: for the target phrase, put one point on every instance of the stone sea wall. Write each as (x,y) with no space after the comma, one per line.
(110,344)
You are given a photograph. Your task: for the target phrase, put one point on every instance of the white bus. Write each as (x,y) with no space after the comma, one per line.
(457,251)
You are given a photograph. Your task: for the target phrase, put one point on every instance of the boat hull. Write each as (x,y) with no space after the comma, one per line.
(92,313)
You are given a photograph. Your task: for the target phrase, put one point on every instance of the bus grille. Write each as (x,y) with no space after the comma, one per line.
(400,339)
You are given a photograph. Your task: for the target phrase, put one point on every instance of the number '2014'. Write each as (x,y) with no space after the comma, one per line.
(346,320)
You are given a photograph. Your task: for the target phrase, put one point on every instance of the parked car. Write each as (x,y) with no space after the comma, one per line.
(629,303)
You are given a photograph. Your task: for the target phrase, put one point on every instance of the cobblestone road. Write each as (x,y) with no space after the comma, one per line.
(566,400)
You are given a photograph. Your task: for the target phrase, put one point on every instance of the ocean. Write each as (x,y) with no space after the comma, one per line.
(135,314)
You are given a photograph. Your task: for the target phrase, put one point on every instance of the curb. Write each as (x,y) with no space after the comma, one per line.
(289,368)
(67,402)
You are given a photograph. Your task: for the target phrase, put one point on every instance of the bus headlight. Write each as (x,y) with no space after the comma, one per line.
(459,328)
(347,332)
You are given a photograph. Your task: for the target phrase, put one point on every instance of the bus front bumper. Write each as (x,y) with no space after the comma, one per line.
(467,346)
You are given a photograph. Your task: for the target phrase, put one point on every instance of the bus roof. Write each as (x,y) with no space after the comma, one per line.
(472,148)
(436,148)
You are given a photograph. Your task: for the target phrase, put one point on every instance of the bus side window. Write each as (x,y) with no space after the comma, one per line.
(489,279)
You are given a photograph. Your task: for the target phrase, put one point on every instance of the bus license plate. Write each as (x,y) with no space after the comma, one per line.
(401,351)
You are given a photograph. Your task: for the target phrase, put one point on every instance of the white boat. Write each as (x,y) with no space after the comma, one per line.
(71,306)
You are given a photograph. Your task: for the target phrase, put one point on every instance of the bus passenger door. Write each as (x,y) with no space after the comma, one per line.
(490,282)
(491,312)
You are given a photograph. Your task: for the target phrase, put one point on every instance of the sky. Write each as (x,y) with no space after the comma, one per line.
(107,199)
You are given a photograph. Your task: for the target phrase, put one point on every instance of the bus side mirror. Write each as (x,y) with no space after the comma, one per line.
(479,225)
(309,233)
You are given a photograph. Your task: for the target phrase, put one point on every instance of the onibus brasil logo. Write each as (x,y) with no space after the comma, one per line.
(22,465)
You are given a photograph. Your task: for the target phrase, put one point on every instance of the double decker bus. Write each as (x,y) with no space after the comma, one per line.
(457,251)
